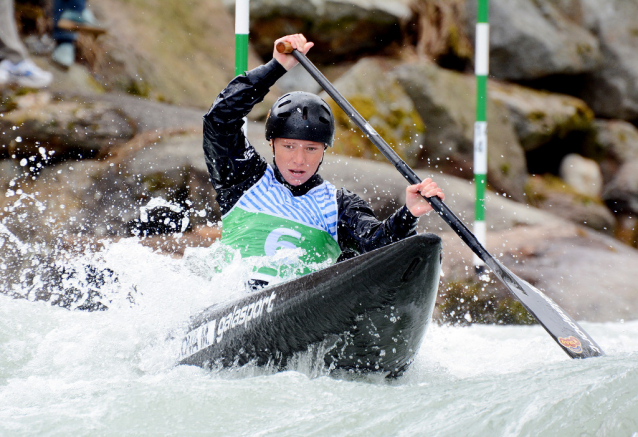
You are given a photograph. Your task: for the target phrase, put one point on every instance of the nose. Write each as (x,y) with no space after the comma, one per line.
(299,156)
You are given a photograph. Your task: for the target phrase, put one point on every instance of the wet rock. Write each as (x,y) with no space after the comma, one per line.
(611,90)
(621,194)
(372,88)
(167,55)
(541,117)
(298,79)
(533,39)
(590,275)
(170,167)
(464,302)
(340,29)
(439,32)
(54,204)
(582,174)
(556,196)
(616,143)
(76,79)
(445,101)
(10,171)
(151,116)
(103,198)
(65,128)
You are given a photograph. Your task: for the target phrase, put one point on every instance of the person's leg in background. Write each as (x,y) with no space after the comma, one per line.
(15,65)
(11,47)
(64,53)
(70,16)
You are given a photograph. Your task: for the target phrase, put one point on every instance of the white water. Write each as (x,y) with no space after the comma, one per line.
(113,373)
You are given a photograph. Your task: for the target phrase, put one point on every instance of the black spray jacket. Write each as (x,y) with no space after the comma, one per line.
(235,166)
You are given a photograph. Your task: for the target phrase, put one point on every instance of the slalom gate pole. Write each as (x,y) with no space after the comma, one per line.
(242,21)
(481,70)
(574,341)
(242,24)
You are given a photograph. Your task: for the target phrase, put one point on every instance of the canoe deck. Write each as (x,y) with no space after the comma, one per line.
(374,308)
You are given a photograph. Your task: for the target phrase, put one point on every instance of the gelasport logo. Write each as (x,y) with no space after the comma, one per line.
(571,343)
(212,332)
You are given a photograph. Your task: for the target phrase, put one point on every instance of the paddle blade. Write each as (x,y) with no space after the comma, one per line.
(567,333)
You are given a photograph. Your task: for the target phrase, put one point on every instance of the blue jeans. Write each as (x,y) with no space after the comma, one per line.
(59,6)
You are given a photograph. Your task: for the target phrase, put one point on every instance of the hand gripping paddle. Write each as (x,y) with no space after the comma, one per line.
(563,329)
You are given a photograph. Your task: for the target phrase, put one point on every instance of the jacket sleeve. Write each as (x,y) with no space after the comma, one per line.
(233,163)
(359,230)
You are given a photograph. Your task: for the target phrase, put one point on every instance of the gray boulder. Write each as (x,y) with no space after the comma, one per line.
(439,32)
(616,142)
(446,101)
(51,206)
(541,117)
(103,198)
(382,186)
(621,194)
(10,172)
(298,79)
(590,275)
(66,128)
(340,29)
(148,115)
(170,167)
(611,90)
(535,39)
(582,174)
(557,197)
(372,88)
(618,139)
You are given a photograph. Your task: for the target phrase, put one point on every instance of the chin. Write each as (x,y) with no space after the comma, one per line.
(296,183)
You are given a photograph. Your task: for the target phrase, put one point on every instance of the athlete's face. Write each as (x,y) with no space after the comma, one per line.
(297,160)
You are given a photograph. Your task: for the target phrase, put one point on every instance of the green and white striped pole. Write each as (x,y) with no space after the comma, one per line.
(242,21)
(481,69)
(241,36)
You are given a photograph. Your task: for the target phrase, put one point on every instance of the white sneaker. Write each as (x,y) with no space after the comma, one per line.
(26,73)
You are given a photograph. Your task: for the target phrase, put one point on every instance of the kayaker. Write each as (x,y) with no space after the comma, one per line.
(287,204)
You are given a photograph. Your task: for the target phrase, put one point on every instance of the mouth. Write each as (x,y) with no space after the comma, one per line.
(297,172)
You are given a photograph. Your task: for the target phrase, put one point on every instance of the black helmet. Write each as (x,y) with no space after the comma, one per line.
(301,116)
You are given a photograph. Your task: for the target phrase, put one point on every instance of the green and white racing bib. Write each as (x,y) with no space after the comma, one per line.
(268,218)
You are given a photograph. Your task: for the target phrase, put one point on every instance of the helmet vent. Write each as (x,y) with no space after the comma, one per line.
(326,109)
(324,120)
(305,113)
(284,114)
(284,103)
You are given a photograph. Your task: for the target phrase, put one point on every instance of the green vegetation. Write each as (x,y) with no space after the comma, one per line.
(396,125)
(539,188)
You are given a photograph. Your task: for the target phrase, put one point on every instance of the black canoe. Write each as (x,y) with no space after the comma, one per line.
(377,306)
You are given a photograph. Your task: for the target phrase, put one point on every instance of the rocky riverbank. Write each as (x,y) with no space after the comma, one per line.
(80,162)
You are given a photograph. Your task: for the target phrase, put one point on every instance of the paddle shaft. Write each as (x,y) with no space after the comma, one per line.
(563,329)
(437,204)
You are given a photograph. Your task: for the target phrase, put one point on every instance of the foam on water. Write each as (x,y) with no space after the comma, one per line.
(113,372)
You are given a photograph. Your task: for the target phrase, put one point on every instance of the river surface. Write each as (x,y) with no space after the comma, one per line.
(113,373)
